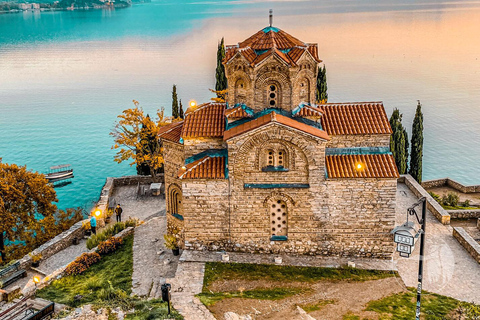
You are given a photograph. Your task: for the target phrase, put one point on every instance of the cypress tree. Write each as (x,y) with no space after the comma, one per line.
(175,112)
(221,79)
(417,145)
(181,114)
(399,142)
(321,92)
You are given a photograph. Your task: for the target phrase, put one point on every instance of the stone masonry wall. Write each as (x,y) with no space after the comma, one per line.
(197,145)
(336,217)
(472,247)
(451,183)
(352,141)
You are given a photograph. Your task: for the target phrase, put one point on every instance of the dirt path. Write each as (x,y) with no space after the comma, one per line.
(347,296)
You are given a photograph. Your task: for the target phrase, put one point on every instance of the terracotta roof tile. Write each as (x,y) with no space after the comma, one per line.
(373,166)
(171,132)
(207,120)
(268,40)
(313,49)
(355,118)
(309,111)
(274,117)
(237,113)
(204,168)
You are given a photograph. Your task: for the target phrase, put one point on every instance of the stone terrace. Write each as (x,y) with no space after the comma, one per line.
(448,268)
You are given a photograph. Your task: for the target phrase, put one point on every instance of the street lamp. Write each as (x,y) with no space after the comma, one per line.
(166,295)
(36,280)
(97,213)
(405,236)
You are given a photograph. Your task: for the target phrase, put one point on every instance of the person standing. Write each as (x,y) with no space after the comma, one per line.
(93,224)
(118,212)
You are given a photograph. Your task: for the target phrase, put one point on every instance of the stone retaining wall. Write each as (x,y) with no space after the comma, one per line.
(57,244)
(467,242)
(433,206)
(133,180)
(29,289)
(464,214)
(451,183)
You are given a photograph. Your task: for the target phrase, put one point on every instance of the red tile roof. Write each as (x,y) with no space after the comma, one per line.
(205,168)
(309,111)
(171,132)
(207,120)
(372,166)
(271,40)
(355,118)
(236,113)
(274,117)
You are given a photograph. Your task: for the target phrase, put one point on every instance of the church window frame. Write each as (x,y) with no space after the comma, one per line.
(278,213)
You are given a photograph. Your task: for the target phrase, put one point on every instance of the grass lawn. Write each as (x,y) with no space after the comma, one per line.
(229,271)
(215,271)
(107,283)
(401,306)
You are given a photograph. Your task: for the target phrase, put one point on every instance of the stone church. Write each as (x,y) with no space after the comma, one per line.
(270,171)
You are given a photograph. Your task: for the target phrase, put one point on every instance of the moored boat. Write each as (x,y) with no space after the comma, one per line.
(56,173)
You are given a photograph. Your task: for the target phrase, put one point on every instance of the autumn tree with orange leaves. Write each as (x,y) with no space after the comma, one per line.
(133,138)
(28,215)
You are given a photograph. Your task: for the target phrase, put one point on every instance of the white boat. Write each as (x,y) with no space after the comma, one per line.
(60,172)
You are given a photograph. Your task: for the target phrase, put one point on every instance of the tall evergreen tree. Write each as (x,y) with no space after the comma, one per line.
(321,92)
(417,145)
(399,142)
(175,112)
(181,114)
(221,79)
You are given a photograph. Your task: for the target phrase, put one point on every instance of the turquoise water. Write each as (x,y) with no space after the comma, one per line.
(65,76)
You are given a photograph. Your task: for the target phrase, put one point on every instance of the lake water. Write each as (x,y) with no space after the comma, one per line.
(65,76)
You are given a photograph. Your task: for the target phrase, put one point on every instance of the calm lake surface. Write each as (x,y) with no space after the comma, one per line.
(65,76)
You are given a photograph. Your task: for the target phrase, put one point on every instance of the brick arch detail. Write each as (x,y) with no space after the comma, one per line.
(274,135)
(279,196)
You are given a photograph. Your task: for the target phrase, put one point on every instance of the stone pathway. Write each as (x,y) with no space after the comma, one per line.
(144,207)
(152,262)
(62,258)
(187,283)
(448,269)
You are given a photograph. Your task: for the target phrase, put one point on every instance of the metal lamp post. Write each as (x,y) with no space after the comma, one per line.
(166,295)
(405,237)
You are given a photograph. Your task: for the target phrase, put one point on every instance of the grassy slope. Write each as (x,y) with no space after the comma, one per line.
(107,284)
(229,271)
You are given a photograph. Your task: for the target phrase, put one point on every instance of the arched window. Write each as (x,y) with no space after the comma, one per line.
(240,91)
(275,159)
(304,90)
(278,218)
(272,96)
(175,201)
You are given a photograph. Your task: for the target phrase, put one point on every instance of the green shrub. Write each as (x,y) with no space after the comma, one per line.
(82,263)
(465,203)
(109,231)
(435,196)
(451,199)
(109,246)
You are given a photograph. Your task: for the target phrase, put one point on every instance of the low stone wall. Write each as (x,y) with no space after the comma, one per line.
(464,214)
(57,244)
(467,242)
(451,183)
(29,289)
(478,223)
(133,180)
(433,206)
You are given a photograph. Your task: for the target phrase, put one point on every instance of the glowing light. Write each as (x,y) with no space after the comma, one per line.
(184,168)
(98,212)
(359,166)
(36,279)
(193,103)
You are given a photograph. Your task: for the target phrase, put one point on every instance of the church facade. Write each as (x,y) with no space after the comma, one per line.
(270,171)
